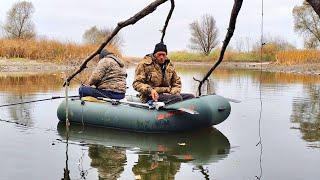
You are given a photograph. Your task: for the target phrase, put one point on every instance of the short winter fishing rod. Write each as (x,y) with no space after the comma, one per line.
(46,99)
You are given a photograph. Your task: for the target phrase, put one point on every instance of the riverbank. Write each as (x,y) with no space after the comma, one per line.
(25,66)
(312,69)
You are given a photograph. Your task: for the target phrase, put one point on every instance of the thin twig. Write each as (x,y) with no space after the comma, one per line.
(144,12)
(167,20)
(38,100)
(232,24)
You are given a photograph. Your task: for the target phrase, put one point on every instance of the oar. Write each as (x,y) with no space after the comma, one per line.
(155,105)
(38,100)
(233,100)
(229,99)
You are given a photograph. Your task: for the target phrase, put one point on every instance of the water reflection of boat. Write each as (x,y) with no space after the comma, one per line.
(200,147)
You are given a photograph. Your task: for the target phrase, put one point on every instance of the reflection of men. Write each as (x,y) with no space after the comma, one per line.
(110,162)
(149,168)
(156,78)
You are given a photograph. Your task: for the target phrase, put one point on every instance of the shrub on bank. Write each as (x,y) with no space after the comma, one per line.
(46,50)
(191,57)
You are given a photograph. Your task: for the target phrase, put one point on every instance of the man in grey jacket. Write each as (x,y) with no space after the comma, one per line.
(108,78)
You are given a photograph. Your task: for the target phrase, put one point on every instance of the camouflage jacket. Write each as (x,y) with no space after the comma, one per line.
(148,76)
(110,74)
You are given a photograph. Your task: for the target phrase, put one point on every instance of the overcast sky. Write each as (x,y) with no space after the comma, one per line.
(67,20)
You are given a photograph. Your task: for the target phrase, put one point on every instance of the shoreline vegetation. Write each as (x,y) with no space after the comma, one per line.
(52,56)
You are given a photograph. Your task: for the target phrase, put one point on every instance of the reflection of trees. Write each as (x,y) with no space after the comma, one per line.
(110,162)
(152,166)
(18,84)
(19,88)
(267,77)
(20,114)
(306,112)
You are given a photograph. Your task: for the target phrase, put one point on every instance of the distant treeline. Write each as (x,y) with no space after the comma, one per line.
(47,50)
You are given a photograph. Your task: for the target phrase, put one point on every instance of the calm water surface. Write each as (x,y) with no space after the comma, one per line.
(33,143)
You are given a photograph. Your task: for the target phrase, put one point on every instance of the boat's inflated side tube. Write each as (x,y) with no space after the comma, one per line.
(212,109)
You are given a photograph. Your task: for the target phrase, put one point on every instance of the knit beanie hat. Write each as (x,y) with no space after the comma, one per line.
(104,53)
(160,47)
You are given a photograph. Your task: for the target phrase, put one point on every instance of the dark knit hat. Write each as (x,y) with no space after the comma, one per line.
(160,47)
(104,53)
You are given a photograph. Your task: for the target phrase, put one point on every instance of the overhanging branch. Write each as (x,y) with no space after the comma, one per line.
(167,20)
(144,12)
(315,5)
(232,24)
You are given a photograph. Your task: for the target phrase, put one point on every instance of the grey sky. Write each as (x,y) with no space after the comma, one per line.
(67,20)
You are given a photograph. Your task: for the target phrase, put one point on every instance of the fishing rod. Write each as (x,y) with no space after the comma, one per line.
(153,105)
(46,99)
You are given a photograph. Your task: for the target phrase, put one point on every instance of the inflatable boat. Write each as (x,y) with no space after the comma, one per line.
(132,115)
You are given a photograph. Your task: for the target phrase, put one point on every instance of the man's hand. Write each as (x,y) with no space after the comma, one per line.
(154,95)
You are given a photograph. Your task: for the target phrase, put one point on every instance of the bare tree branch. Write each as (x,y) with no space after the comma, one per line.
(144,12)
(232,24)
(167,20)
(315,5)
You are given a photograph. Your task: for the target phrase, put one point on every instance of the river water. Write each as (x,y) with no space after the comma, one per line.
(33,143)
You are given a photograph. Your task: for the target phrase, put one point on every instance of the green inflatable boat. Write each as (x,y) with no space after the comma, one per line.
(130,114)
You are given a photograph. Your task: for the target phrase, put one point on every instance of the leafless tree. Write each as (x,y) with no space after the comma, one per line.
(307,23)
(315,5)
(95,35)
(19,24)
(243,44)
(204,34)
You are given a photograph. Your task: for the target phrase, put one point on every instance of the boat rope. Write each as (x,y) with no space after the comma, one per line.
(260,93)
(38,100)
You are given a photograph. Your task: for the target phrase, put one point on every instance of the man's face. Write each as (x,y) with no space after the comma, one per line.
(160,56)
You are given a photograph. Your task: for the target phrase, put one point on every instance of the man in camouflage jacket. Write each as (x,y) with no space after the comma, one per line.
(156,78)
(108,78)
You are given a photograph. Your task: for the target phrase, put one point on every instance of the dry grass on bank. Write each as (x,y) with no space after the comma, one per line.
(289,57)
(184,56)
(298,57)
(47,50)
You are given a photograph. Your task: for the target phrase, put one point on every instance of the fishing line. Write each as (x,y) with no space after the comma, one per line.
(260,93)
(38,100)
(13,122)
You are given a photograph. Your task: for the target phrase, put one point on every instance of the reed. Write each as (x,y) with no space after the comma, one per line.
(47,50)
(298,57)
